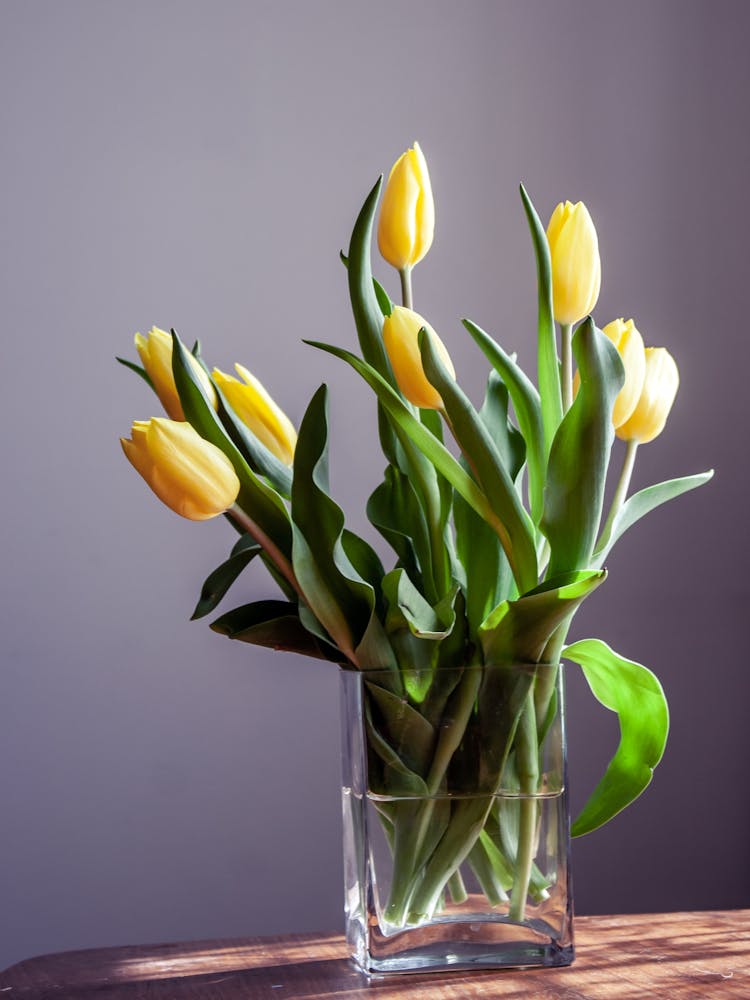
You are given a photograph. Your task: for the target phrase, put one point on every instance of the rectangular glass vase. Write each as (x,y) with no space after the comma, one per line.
(456,821)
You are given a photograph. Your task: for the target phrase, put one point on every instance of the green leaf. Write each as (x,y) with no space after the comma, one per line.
(518,631)
(384,299)
(512,523)
(222,578)
(577,469)
(138,370)
(549,376)
(643,503)
(494,415)
(261,503)
(635,694)
(393,508)
(488,577)
(368,315)
(342,601)
(275,625)
(527,406)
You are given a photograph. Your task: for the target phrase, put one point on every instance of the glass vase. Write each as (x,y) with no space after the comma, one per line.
(456,821)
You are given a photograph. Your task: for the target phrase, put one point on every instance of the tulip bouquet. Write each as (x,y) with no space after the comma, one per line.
(493,551)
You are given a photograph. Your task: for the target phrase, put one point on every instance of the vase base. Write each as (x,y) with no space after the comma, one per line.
(498,945)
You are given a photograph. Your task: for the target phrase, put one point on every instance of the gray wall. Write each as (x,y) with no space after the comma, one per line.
(199,165)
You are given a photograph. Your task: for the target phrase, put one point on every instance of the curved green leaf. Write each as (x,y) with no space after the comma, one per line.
(222,578)
(577,468)
(342,601)
(549,375)
(528,409)
(635,694)
(275,625)
(478,447)
(518,631)
(643,503)
(393,509)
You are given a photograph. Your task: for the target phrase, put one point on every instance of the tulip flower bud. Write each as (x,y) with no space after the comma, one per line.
(659,390)
(407,214)
(156,355)
(401,338)
(189,474)
(576,268)
(629,344)
(257,410)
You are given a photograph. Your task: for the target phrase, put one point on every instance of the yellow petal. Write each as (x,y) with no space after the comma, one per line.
(156,356)
(401,339)
(576,266)
(629,343)
(189,474)
(258,411)
(407,214)
(660,385)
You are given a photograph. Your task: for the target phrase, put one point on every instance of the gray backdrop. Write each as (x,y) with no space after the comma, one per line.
(199,165)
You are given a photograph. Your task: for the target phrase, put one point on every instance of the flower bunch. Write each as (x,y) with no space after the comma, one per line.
(492,552)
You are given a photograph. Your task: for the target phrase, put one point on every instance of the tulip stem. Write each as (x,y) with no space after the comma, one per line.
(406,296)
(566,372)
(272,550)
(623,483)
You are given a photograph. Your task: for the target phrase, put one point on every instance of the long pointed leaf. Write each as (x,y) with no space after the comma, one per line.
(528,409)
(275,625)
(517,534)
(643,503)
(635,694)
(222,578)
(577,469)
(549,377)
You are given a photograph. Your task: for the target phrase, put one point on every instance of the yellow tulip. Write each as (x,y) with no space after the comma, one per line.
(257,410)
(187,473)
(659,390)
(576,267)
(407,214)
(155,351)
(401,338)
(629,344)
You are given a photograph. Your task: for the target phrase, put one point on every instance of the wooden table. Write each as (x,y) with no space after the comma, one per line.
(670,956)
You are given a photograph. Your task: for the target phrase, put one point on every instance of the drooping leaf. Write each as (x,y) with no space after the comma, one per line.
(527,406)
(341,599)
(578,461)
(275,625)
(222,578)
(549,376)
(642,503)
(635,694)
(518,631)
(512,523)
(258,500)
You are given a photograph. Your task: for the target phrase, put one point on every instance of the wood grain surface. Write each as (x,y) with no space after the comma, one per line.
(671,956)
